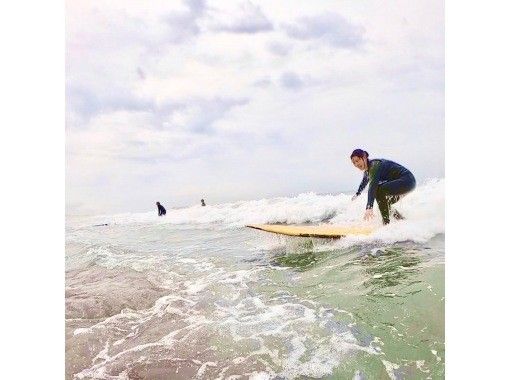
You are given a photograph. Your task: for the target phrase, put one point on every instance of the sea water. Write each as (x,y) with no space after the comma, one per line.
(195,294)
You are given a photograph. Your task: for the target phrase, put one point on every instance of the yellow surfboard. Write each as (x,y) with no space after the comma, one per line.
(323,231)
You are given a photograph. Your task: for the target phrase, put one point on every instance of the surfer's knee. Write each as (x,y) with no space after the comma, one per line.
(381,193)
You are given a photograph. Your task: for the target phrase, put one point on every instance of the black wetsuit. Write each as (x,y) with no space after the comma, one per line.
(161,210)
(388,182)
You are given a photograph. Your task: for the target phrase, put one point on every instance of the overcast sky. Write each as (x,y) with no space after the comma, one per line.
(174,101)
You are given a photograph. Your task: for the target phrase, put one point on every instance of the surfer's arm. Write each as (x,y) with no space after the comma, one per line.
(363,184)
(375,176)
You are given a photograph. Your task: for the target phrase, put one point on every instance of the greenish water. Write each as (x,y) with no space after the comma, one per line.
(395,294)
(145,301)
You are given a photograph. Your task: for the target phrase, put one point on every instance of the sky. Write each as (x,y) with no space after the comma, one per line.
(175,101)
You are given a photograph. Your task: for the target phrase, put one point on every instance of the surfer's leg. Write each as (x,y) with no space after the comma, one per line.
(384,206)
(390,192)
(392,199)
(399,186)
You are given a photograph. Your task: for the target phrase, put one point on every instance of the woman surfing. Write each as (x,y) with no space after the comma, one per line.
(388,180)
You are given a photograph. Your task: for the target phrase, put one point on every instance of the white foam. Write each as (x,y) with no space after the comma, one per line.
(425,205)
(203,368)
(81,331)
(252,317)
(434,352)
(390,368)
(260,376)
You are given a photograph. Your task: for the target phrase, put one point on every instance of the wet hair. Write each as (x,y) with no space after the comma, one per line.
(359,153)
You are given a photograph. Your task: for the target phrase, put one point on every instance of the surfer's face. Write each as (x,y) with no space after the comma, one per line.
(359,163)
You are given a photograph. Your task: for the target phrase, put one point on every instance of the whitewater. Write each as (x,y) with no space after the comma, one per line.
(196,294)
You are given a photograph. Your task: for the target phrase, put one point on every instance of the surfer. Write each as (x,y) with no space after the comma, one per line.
(389,181)
(161,209)
(203,202)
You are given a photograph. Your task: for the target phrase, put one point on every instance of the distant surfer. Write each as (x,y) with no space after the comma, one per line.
(203,202)
(161,209)
(388,180)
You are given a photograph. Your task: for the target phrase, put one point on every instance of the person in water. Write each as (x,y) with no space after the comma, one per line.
(203,202)
(161,209)
(388,180)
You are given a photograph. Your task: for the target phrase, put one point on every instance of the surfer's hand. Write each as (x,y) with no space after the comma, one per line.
(369,214)
(354,197)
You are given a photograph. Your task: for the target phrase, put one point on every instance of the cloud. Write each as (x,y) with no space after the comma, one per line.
(248,19)
(132,136)
(291,80)
(199,116)
(331,28)
(141,73)
(180,98)
(86,103)
(147,133)
(117,27)
(278,48)
(184,24)
(262,82)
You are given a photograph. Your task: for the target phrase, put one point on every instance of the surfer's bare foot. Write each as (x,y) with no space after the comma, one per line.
(397,215)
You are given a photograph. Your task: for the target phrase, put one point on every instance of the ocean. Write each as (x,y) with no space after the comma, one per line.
(197,295)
